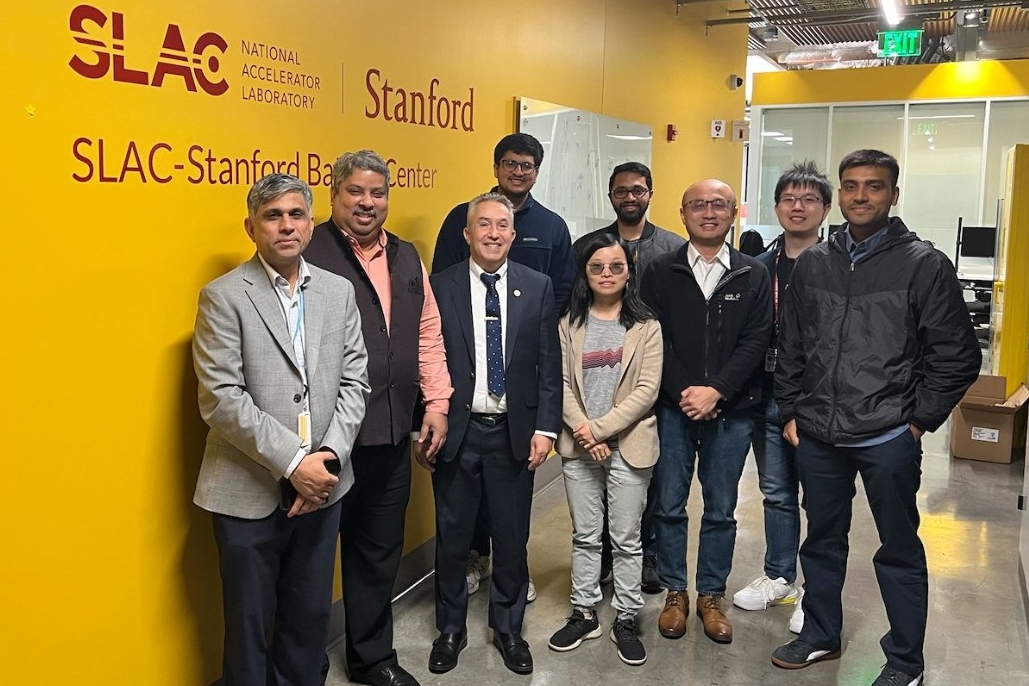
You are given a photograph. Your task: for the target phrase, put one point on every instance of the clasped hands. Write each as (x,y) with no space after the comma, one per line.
(313,482)
(583,435)
(700,403)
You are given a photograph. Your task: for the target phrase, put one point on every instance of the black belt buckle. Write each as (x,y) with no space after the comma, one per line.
(489,419)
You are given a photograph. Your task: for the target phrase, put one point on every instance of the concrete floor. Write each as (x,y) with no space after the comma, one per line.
(977,630)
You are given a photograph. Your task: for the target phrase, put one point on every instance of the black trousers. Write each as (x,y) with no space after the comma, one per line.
(483,469)
(891,473)
(277,590)
(371,535)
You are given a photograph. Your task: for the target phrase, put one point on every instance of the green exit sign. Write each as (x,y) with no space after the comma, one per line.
(900,43)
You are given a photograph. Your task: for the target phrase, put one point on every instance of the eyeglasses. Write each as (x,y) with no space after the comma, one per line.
(717,205)
(622,192)
(806,200)
(597,268)
(511,165)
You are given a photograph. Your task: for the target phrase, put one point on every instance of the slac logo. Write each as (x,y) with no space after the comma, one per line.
(106,53)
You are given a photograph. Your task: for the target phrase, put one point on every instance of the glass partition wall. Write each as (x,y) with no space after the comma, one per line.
(951,157)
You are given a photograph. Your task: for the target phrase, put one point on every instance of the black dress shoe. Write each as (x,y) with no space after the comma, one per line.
(387,675)
(516,653)
(445,650)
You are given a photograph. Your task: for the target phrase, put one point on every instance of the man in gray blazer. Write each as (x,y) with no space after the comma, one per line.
(283,383)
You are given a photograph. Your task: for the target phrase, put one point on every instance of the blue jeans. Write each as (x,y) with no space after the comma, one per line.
(777,478)
(720,447)
(891,473)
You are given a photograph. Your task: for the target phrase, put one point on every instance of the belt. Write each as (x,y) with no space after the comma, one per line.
(489,419)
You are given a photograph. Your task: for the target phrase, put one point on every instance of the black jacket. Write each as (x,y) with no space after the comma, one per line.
(720,342)
(867,347)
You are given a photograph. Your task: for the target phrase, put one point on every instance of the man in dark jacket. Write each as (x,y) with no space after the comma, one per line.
(714,305)
(875,348)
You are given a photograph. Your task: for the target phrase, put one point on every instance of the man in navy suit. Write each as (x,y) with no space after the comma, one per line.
(500,333)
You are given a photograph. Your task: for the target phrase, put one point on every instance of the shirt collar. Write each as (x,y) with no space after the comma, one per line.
(693,256)
(477,271)
(870,243)
(354,245)
(278,279)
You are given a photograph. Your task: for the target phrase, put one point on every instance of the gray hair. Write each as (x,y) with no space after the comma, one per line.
(347,163)
(272,186)
(489,197)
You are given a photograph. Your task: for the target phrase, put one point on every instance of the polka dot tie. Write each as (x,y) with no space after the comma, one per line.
(494,338)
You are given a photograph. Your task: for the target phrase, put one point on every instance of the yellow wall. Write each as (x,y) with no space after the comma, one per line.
(109,572)
(953,80)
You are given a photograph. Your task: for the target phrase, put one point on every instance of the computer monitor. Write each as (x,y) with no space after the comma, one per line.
(978,241)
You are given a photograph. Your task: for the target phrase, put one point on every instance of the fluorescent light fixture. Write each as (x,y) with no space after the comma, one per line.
(891,11)
(784,139)
(630,138)
(772,133)
(942,116)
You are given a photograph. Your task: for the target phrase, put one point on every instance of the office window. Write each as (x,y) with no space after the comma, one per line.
(787,136)
(1007,127)
(942,172)
(880,127)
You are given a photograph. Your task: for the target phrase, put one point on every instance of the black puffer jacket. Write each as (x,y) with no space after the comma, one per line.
(719,342)
(865,348)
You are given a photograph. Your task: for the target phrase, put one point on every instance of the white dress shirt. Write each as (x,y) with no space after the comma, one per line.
(708,273)
(482,400)
(290,305)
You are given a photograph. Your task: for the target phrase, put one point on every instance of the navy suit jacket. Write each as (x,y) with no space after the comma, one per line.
(532,354)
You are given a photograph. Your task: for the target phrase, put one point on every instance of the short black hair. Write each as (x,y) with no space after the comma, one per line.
(872,158)
(520,144)
(631,168)
(805,175)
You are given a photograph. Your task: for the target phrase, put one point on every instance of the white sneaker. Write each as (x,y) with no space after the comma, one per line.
(530,595)
(478,569)
(762,592)
(797,618)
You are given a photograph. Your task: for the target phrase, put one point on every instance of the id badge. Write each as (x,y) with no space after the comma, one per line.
(304,428)
(770,357)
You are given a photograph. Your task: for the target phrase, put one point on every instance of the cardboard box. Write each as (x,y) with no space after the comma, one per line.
(987,426)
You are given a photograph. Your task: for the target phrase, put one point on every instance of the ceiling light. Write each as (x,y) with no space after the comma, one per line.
(891,11)
(784,139)
(772,133)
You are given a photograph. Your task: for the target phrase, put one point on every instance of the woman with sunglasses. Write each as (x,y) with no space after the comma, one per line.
(612,354)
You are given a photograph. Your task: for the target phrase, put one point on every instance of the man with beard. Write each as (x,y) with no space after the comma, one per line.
(630,189)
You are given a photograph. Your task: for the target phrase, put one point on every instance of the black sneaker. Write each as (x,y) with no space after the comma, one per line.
(651,582)
(894,677)
(797,654)
(577,629)
(630,649)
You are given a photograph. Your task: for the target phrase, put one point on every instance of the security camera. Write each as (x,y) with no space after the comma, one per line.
(735,82)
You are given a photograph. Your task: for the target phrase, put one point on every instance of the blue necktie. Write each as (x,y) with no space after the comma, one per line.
(494,339)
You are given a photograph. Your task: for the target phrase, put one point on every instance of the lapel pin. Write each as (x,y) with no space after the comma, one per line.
(517,293)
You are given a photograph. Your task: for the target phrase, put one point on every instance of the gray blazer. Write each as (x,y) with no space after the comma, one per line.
(251,391)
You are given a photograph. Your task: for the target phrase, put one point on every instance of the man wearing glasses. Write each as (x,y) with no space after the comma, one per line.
(543,242)
(715,309)
(630,189)
(803,198)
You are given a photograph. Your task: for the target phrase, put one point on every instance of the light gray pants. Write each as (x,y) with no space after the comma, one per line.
(587,482)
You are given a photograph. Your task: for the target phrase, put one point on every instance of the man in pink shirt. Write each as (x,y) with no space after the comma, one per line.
(401,326)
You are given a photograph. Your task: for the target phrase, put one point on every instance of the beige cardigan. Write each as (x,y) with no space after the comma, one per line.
(631,418)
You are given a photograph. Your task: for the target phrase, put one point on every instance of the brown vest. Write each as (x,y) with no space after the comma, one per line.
(393,356)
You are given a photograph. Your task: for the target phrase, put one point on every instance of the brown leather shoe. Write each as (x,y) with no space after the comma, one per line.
(672,622)
(716,624)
